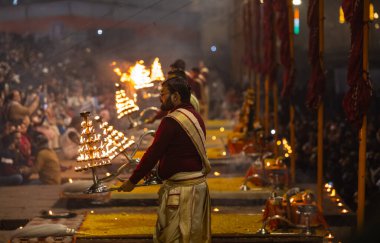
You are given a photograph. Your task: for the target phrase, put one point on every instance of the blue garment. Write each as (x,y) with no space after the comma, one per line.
(12,180)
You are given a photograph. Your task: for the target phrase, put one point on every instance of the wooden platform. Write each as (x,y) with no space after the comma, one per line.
(21,205)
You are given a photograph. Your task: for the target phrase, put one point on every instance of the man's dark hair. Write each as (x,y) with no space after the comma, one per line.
(179,64)
(41,141)
(180,85)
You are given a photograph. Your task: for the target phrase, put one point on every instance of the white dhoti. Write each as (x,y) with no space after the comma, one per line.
(184,210)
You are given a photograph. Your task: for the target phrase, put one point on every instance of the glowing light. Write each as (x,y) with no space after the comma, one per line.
(216,209)
(216,173)
(273,132)
(371,12)
(224,153)
(100,31)
(221,129)
(213,138)
(70,180)
(344,210)
(341,16)
(124,104)
(340,204)
(156,71)
(375,15)
(92,211)
(50,212)
(296,21)
(213,48)
(333,193)
(91,150)
(297,2)
(140,76)
(279,142)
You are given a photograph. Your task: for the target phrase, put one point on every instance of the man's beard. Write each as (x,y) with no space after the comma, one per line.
(167,105)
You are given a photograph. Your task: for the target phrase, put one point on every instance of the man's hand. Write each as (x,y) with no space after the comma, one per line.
(149,120)
(127,186)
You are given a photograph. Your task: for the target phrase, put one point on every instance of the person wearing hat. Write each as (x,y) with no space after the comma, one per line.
(179,152)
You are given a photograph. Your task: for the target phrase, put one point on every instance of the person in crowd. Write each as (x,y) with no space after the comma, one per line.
(46,165)
(14,110)
(10,173)
(179,150)
(69,140)
(25,145)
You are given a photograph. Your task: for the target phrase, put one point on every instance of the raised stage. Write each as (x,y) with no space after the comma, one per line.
(130,217)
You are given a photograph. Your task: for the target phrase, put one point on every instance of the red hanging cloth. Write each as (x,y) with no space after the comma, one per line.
(316,84)
(283,32)
(357,99)
(257,36)
(247,30)
(269,64)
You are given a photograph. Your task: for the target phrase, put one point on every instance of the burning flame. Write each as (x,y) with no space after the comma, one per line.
(156,71)
(124,104)
(90,148)
(115,141)
(140,76)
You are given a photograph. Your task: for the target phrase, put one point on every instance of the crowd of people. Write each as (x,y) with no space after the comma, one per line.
(340,153)
(41,96)
(40,102)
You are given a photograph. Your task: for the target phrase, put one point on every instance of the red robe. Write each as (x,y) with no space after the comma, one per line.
(173,148)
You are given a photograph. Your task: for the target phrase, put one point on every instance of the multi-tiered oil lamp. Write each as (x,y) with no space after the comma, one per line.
(98,149)
(124,105)
(92,153)
(116,141)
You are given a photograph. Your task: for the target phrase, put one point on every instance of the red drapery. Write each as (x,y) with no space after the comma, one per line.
(247,30)
(257,36)
(283,31)
(357,99)
(269,40)
(316,84)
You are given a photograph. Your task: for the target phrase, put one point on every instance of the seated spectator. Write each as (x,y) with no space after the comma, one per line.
(9,171)
(69,140)
(24,145)
(41,125)
(46,165)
